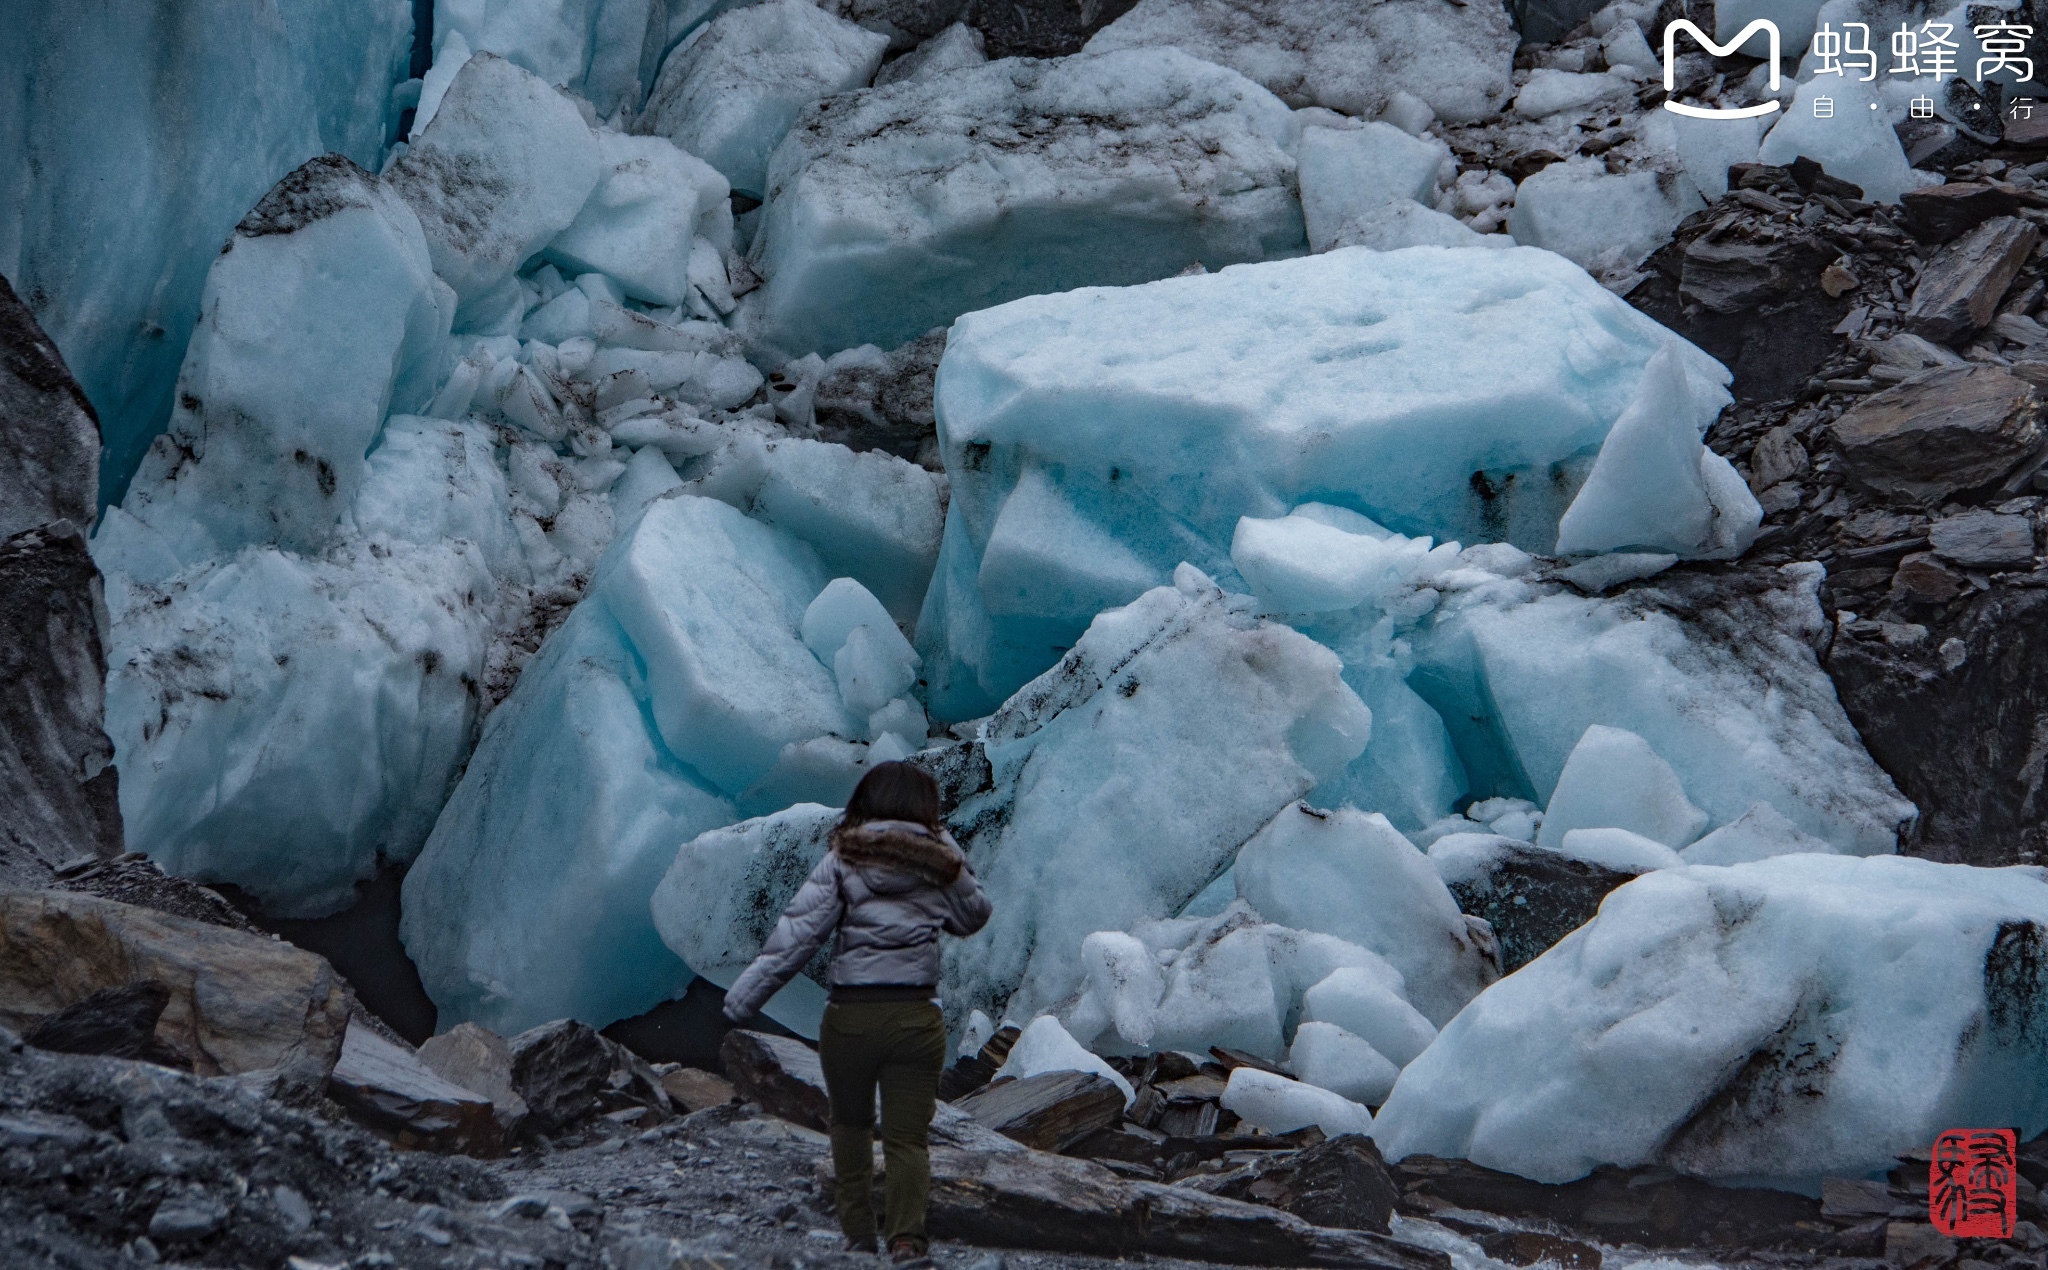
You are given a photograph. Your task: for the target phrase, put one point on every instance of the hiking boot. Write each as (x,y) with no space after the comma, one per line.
(904,1253)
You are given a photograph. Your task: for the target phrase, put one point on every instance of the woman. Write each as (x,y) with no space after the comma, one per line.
(892,880)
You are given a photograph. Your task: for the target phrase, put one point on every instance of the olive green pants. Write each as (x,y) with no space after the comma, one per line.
(901,1047)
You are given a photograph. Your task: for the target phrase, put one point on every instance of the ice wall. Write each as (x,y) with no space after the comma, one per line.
(133,137)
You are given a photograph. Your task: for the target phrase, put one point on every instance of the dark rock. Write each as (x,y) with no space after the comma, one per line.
(1922,579)
(1774,348)
(1528,1247)
(1043,28)
(1959,731)
(1342,1184)
(1959,290)
(1911,1243)
(49,435)
(1234,1059)
(1811,178)
(1131,1143)
(780,1073)
(1653,1207)
(1778,456)
(1855,1198)
(977,1069)
(885,403)
(1548,21)
(393,1092)
(1983,539)
(1938,213)
(1028,1199)
(135,879)
(905,22)
(1941,432)
(568,1074)
(1531,897)
(1731,276)
(2028,132)
(118,1022)
(238,1003)
(58,800)
(478,1059)
(1050,1111)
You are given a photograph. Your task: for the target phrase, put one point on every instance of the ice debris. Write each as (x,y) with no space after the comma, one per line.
(1279,1105)
(1614,780)
(1352,172)
(1787,1018)
(505,166)
(1350,874)
(1347,57)
(1045,1046)
(1187,983)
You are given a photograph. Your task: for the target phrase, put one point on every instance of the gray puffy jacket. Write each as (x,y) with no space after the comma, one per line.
(887,887)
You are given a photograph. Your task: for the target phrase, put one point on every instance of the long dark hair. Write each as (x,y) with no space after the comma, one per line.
(894,791)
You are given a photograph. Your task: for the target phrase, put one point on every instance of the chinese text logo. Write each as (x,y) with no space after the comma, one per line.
(1770,30)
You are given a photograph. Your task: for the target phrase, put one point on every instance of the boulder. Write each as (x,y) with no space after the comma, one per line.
(1983,539)
(1728,277)
(694,1089)
(58,798)
(1342,1184)
(118,1022)
(1954,720)
(237,1002)
(567,1073)
(779,1072)
(479,1060)
(1050,1111)
(1650,1207)
(1531,897)
(133,878)
(1939,213)
(1951,429)
(1052,1203)
(1959,290)
(49,435)
(389,1089)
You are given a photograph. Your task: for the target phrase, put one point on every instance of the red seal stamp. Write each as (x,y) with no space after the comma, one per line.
(1972,1187)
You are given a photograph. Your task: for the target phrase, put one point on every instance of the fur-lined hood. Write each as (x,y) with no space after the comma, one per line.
(903,847)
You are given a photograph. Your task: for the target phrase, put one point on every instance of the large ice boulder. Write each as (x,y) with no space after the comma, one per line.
(1350,874)
(1342,55)
(283,723)
(1178,709)
(530,899)
(1788,1018)
(1716,676)
(135,136)
(729,95)
(604,51)
(320,310)
(1614,780)
(721,895)
(1096,439)
(895,210)
(869,515)
(505,165)
(642,225)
